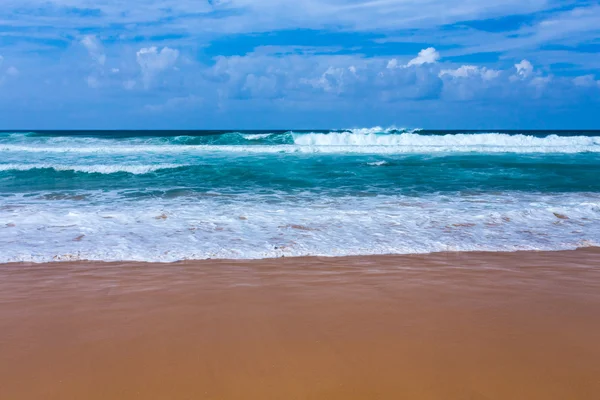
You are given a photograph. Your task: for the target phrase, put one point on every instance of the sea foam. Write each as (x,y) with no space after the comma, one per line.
(252,226)
(482,142)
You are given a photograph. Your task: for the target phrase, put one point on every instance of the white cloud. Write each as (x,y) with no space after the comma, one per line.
(468,71)
(524,69)
(94,48)
(468,82)
(152,62)
(426,56)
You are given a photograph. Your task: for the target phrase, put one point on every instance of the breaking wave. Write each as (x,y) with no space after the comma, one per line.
(480,142)
(364,140)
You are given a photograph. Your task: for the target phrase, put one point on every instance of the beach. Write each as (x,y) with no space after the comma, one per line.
(288,200)
(522,325)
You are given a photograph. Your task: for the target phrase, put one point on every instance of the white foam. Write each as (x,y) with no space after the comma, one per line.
(249,227)
(98,169)
(256,136)
(377,163)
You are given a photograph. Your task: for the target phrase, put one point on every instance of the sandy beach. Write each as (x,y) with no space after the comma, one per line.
(441,326)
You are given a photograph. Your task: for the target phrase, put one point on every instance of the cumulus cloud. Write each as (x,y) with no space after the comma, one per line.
(534,79)
(470,81)
(524,69)
(426,56)
(260,75)
(314,78)
(152,61)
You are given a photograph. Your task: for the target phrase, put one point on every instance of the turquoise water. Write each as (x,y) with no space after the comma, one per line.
(167,196)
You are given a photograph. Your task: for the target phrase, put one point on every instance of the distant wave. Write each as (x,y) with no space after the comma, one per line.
(367,141)
(378,130)
(91,169)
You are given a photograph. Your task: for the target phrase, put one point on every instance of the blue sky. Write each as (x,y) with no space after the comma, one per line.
(180,64)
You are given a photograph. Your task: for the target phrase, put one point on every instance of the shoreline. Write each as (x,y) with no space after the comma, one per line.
(521,325)
(334,259)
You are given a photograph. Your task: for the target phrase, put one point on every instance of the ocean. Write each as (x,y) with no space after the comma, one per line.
(165,196)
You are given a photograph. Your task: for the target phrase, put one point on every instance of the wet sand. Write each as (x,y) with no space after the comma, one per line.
(444,326)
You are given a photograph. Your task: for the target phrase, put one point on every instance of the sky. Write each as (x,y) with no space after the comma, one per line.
(283,64)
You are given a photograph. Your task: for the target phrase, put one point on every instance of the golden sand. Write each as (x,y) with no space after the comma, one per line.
(444,326)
